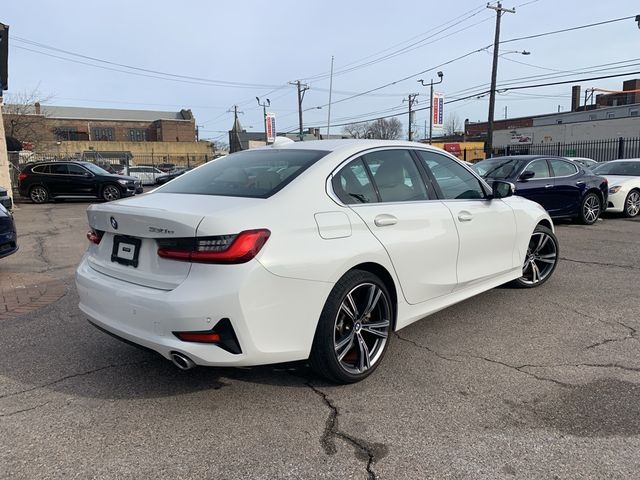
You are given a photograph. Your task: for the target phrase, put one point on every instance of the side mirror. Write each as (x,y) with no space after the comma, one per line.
(527,175)
(501,189)
(88,175)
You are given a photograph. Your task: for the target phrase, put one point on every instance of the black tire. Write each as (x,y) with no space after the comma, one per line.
(111,192)
(631,204)
(39,194)
(590,208)
(540,251)
(336,326)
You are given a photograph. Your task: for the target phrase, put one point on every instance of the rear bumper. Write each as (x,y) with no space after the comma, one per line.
(274,318)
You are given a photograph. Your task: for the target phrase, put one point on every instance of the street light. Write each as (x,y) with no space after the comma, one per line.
(264,106)
(431,84)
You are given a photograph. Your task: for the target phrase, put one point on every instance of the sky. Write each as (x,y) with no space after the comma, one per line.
(209,56)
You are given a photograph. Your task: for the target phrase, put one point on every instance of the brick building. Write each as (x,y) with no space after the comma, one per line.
(45,124)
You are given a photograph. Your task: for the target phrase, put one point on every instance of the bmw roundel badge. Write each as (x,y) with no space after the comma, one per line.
(114,223)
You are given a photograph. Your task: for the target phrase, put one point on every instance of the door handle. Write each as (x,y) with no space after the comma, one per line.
(465,216)
(548,185)
(385,220)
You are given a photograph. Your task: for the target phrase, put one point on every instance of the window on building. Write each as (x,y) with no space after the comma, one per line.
(69,133)
(137,134)
(102,134)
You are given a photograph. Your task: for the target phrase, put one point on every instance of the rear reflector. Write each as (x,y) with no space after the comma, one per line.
(222,335)
(22,176)
(226,249)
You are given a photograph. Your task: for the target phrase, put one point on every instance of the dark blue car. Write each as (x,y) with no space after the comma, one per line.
(8,237)
(564,188)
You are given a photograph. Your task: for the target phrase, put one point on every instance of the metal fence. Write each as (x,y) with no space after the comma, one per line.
(598,150)
(118,161)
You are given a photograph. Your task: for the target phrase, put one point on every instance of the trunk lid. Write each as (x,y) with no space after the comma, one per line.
(128,248)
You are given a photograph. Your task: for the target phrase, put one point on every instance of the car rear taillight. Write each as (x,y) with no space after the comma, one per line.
(227,249)
(94,236)
(22,176)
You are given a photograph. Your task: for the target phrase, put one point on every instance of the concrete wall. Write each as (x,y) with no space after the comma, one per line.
(139,148)
(573,132)
(5,180)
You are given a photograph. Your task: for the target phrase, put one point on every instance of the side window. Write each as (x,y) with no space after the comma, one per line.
(455,181)
(396,176)
(540,168)
(41,169)
(76,169)
(562,169)
(59,168)
(352,185)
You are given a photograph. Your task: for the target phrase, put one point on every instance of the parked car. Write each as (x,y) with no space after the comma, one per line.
(147,175)
(564,188)
(46,181)
(322,261)
(585,162)
(171,175)
(5,199)
(8,236)
(624,185)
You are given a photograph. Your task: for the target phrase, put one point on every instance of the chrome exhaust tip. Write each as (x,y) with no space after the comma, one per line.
(182,361)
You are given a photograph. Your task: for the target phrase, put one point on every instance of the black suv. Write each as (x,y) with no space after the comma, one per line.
(44,181)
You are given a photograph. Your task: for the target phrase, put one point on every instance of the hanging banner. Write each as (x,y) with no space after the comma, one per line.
(437,109)
(271,127)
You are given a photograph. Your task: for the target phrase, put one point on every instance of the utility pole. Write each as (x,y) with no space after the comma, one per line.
(431,84)
(494,75)
(264,106)
(302,88)
(330,91)
(411,100)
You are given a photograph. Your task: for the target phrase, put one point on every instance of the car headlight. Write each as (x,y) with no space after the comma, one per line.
(615,189)
(123,182)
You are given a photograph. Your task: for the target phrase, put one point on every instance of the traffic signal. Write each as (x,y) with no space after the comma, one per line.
(4,56)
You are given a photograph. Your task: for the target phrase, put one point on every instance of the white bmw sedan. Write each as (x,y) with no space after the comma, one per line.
(311,250)
(624,185)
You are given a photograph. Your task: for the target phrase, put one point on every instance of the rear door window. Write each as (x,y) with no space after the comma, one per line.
(454,180)
(76,169)
(396,176)
(562,168)
(41,169)
(253,173)
(59,169)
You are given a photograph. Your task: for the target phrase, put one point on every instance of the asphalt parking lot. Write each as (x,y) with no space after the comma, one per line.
(542,383)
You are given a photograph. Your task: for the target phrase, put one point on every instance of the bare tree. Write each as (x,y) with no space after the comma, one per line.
(384,129)
(23,120)
(452,124)
(356,130)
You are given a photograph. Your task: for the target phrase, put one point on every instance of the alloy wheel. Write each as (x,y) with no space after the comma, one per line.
(541,258)
(361,328)
(591,209)
(110,193)
(632,205)
(39,194)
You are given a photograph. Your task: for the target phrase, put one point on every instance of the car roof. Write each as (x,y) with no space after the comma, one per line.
(624,160)
(351,144)
(526,158)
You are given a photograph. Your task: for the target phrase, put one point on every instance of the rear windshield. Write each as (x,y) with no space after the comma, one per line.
(252,173)
(631,169)
(497,168)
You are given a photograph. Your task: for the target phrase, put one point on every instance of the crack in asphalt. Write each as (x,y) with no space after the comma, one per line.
(522,368)
(23,410)
(425,347)
(365,451)
(632,333)
(600,264)
(67,377)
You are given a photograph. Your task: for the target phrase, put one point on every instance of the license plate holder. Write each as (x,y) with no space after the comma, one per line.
(126,250)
